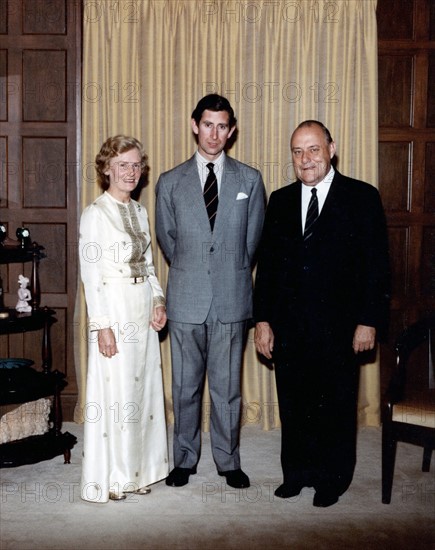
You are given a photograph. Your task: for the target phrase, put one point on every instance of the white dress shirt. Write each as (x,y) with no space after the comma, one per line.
(322,192)
(203,171)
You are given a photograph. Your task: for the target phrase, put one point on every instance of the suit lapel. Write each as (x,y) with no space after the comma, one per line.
(227,194)
(329,214)
(295,212)
(194,199)
(329,211)
(289,208)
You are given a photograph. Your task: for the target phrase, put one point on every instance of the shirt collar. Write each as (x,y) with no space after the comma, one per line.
(202,162)
(323,186)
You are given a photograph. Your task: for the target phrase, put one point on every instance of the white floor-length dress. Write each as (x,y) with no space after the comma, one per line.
(125,443)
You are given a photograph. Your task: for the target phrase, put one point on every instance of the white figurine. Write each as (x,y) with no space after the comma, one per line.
(24,295)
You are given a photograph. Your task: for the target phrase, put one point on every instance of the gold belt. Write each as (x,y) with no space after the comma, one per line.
(125,280)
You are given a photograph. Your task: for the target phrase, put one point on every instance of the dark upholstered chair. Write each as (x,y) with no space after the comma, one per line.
(409,405)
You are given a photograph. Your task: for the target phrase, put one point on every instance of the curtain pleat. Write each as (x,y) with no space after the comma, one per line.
(147,63)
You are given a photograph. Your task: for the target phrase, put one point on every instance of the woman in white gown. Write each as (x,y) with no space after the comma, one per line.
(125,444)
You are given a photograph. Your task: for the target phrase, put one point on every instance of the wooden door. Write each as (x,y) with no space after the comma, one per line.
(39,152)
(406,40)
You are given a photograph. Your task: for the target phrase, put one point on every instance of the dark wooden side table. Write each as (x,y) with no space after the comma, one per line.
(22,383)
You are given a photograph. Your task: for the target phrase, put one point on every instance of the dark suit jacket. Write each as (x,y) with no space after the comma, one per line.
(338,278)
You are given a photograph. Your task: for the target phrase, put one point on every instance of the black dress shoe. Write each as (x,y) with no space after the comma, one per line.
(179,476)
(288,490)
(236,478)
(323,499)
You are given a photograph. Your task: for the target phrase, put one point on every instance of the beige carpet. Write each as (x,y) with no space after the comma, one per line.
(41,508)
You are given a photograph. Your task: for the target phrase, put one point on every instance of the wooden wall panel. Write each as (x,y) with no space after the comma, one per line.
(44,164)
(44,17)
(394,175)
(3,84)
(431,92)
(406,48)
(395,19)
(53,268)
(395,87)
(428,264)
(3,17)
(40,71)
(429,181)
(398,241)
(44,85)
(3,172)
(432,22)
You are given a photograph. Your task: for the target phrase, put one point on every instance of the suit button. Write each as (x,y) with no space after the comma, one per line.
(306,268)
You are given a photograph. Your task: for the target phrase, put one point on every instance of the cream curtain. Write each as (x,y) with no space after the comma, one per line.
(146,64)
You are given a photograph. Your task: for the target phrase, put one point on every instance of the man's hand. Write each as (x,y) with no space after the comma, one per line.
(264,339)
(364,338)
(159,318)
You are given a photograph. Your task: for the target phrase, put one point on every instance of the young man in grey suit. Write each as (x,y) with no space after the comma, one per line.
(209,217)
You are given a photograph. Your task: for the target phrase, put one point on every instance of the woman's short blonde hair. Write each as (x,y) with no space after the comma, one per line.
(112,147)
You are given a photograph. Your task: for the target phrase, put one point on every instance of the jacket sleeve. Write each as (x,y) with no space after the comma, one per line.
(166,231)
(257,204)
(265,281)
(90,257)
(375,268)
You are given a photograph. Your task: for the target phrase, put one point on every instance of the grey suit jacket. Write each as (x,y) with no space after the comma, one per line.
(206,266)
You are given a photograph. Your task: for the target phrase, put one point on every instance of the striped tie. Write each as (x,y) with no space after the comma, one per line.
(211,195)
(312,214)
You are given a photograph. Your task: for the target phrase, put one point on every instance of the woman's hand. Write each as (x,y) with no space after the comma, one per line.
(158,320)
(107,342)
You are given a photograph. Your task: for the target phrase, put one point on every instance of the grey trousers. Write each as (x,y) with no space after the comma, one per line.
(217,349)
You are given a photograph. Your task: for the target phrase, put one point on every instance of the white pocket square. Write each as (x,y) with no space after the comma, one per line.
(241,196)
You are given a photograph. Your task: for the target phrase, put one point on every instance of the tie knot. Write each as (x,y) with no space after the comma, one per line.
(210,166)
(313,191)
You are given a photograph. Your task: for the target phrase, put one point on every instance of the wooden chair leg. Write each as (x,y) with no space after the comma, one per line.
(427,455)
(67,456)
(389,445)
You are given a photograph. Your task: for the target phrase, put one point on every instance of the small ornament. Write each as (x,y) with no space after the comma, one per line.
(23,234)
(24,295)
(2,233)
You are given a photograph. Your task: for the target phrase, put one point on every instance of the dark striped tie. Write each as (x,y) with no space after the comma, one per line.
(211,195)
(312,214)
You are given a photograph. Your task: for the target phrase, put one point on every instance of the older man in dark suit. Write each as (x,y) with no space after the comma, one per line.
(209,216)
(321,298)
